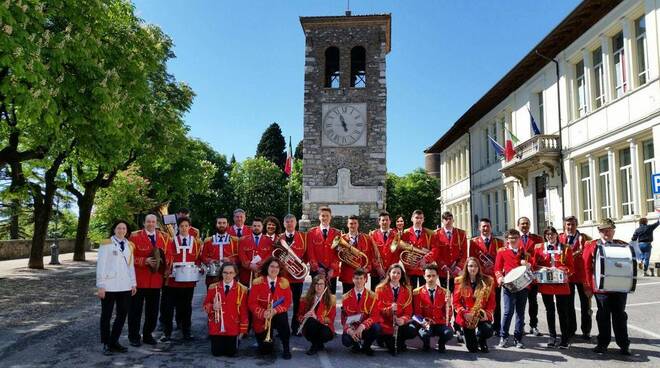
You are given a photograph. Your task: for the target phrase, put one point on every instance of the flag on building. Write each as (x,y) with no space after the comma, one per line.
(289,160)
(509,152)
(499,150)
(535,128)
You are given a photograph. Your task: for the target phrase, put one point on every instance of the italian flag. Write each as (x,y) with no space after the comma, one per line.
(511,139)
(288,166)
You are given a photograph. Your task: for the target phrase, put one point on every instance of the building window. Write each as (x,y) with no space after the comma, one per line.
(580,86)
(332,67)
(505,206)
(599,78)
(358,67)
(625,179)
(604,187)
(489,206)
(497,212)
(620,79)
(488,146)
(640,45)
(493,133)
(585,192)
(649,169)
(539,99)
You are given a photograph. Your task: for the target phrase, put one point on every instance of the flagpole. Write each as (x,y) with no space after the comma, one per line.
(288,211)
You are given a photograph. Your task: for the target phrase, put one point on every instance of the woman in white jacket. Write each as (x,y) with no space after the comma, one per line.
(115,280)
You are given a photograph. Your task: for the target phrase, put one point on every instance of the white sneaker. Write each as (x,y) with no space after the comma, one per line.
(504,343)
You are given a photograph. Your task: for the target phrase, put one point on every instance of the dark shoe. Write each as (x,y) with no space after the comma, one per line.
(286,355)
(442,348)
(381,342)
(535,331)
(165,338)
(600,349)
(149,340)
(312,350)
(563,345)
(117,348)
(188,336)
(518,344)
(107,350)
(552,343)
(426,346)
(355,349)
(625,351)
(402,348)
(459,338)
(135,343)
(483,346)
(586,337)
(368,351)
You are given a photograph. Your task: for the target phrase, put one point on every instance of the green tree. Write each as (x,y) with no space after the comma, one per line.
(259,187)
(298,154)
(272,145)
(416,190)
(294,183)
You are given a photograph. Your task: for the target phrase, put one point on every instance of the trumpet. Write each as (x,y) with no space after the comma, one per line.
(293,264)
(269,321)
(410,256)
(219,317)
(349,254)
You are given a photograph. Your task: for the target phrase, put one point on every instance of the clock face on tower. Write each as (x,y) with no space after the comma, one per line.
(344,124)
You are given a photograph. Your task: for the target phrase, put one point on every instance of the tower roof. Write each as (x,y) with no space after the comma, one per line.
(342,21)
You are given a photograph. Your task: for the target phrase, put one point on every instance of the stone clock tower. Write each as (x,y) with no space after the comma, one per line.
(345,136)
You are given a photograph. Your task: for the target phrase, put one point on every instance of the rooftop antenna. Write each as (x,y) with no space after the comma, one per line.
(348,8)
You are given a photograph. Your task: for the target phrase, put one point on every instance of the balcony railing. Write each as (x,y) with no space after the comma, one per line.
(539,151)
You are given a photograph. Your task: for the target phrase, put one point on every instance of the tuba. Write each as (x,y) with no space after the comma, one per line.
(349,254)
(293,264)
(410,256)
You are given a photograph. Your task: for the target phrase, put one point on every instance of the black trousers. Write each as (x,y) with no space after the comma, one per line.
(585,310)
(533,306)
(279,323)
(149,300)
(121,300)
(346,287)
(443,332)
(443,283)
(316,332)
(163,296)
(497,314)
(563,312)
(375,280)
(612,314)
(368,337)
(333,282)
(474,337)
(296,291)
(406,332)
(224,345)
(179,300)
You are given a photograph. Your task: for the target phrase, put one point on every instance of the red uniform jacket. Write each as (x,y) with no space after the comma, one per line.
(193,254)
(258,300)
(364,245)
(588,255)
(464,300)
(319,250)
(404,307)
(506,260)
(367,308)
(324,314)
(442,251)
(245,230)
(143,250)
(247,250)
(563,261)
(577,247)
(234,309)
(383,249)
(299,247)
(436,312)
(532,240)
(426,240)
(225,244)
(478,247)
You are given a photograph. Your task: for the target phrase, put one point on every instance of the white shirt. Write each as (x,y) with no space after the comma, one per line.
(115,269)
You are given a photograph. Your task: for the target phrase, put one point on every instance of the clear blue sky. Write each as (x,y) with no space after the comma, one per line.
(245,60)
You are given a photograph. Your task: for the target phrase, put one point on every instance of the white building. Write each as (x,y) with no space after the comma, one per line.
(598,162)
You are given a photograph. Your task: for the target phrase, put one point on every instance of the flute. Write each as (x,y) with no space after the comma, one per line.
(311,309)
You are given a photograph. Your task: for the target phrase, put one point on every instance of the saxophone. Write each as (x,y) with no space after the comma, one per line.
(477,310)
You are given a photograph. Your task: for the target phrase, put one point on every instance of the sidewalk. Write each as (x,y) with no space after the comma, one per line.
(19,266)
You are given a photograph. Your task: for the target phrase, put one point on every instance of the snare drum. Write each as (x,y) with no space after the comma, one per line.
(615,268)
(549,275)
(213,269)
(518,279)
(186,272)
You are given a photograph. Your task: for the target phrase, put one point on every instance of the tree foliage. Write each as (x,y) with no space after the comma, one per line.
(259,187)
(416,190)
(272,145)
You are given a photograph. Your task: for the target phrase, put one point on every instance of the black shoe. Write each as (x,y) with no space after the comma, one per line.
(442,348)
(312,350)
(380,342)
(188,336)
(286,355)
(135,342)
(426,346)
(600,349)
(355,349)
(586,337)
(552,343)
(165,338)
(368,351)
(117,348)
(149,340)
(320,347)
(563,345)
(459,338)
(402,348)
(625,351)
(483,346)
(107,350)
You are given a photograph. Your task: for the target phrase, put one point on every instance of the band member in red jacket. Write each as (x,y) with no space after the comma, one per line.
(431,304)
(317,314)
(527,241)
(363,243)
(322,258)
(270,300)
(184,212)
(611,312)
(297,242)
(239,228)
(474,301)
(253,249)
(450,249)
(150,265)
(576,240)
(184,249)
(395,306)
(423,240)
(381,240)
(554,254)
(360,316)
(219,248)
(508,259)
(226,305)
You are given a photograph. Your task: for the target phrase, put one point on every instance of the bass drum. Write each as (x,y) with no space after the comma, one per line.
(615,268)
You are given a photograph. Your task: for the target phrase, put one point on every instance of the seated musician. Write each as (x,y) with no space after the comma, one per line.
(317,315)
(474,301)
(226,305)
(554,254)
(269,301)
(395,307)
(359,316)
(430,304)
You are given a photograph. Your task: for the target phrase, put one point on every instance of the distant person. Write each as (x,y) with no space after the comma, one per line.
(644,236)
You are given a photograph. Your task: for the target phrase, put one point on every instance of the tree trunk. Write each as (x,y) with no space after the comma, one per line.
(85,204)
(14,228)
